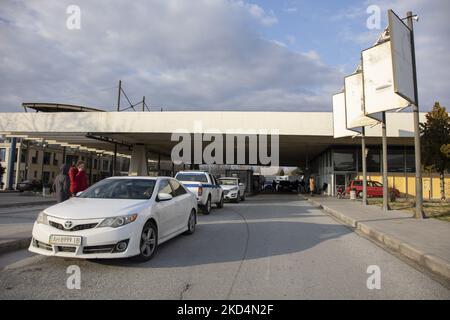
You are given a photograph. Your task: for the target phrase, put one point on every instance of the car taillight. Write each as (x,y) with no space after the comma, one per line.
(200,190)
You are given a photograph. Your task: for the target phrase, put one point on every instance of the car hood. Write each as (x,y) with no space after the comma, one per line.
(228,187)
(85,208)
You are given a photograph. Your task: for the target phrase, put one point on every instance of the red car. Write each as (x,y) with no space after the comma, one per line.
(374,189)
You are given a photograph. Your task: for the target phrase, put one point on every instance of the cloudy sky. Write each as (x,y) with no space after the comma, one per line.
(286,55)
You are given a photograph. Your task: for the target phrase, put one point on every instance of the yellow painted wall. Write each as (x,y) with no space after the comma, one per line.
(406,184)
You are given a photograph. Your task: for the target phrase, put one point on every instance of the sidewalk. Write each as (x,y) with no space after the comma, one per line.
(10,200)
(15,236)
(427,242)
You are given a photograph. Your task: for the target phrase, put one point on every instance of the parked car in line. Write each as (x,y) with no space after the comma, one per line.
(117,217)
(29,185)
(374,189)
(233,189)
(205,186)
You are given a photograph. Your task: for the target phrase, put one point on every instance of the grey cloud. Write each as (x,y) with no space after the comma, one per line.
(183,55)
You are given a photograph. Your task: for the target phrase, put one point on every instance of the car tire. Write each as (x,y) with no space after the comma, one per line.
(191,223)
(207,207)
(148,242)
(359,195)
(220,203)
(243,197)
(238,198)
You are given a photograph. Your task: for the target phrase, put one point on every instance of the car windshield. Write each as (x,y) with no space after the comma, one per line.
(197,177)
(228,182)
(139,189)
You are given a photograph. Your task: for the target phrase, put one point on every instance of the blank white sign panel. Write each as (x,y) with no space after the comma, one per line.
(339,126)
(354,104)
(401,57)
(378,81)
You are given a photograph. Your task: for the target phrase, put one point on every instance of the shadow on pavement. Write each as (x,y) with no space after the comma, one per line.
(244,231)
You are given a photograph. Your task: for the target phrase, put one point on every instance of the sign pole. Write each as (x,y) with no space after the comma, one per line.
(364,164)
(419,214)
(385,178)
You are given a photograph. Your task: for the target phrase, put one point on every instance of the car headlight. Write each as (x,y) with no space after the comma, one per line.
(42,218)
(235,189)
(116,222)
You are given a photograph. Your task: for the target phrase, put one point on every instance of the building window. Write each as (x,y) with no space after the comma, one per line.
(105,165)
(344,160)
(95,164)
(2,154)
(34,159)
(23,155)
(47,156)
(55,160)
(396,160)
(35,174)
(45,177)
(373,160)
(410,160)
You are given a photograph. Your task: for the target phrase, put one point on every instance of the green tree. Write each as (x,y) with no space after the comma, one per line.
(435,141)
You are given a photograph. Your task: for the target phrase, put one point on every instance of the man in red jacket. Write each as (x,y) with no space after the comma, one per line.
(72,176)
(81,177)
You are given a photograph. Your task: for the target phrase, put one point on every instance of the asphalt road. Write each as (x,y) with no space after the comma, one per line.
(268,247)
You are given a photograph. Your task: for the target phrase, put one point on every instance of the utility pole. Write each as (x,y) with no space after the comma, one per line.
(118,95)
(364,165)
(114,160)
(384,155)
(143,103)
(419,214)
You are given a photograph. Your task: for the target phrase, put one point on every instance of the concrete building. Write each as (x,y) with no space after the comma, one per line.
(41,161)
(304,139)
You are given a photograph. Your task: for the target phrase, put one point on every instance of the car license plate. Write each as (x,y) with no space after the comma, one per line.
(65,240)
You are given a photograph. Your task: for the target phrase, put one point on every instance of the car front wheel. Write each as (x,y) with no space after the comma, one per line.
(191,223)
(148,242)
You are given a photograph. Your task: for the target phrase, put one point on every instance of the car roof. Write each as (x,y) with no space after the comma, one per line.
(193,172)
(135,177)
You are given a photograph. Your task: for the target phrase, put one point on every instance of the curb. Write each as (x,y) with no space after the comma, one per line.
(431,262)
(25,204)
(14,245)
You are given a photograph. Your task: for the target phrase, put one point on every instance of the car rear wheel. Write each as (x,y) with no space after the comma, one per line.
(243,197)
(220,203)
(191,223)
(148,242)
(207,207)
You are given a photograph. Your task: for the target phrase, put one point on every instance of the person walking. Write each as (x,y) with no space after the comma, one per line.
(61,185)
(81,177)
(72,176)
(312,185)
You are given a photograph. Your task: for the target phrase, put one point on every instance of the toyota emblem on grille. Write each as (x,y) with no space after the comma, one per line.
(68,224)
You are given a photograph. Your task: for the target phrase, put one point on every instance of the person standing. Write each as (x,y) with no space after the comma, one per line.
(81,177)
(72,176)
(312,185)
(61,185)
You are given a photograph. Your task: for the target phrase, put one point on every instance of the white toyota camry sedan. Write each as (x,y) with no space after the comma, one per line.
(116,218)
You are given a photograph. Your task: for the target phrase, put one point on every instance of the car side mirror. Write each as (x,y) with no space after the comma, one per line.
(241,184)
(79,193)
(163,197)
